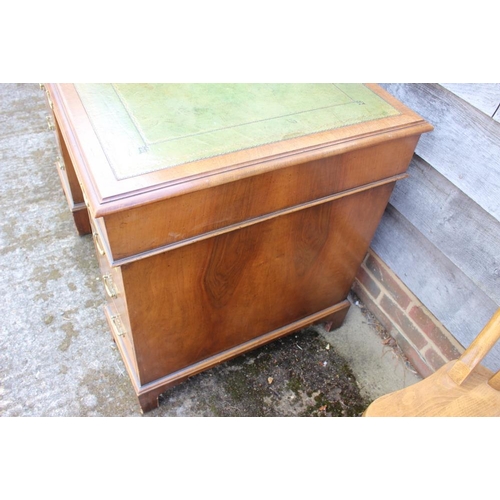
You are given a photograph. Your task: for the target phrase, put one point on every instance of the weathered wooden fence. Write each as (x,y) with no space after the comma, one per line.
(441,231)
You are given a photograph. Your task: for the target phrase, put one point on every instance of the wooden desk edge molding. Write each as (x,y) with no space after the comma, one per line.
(225,216)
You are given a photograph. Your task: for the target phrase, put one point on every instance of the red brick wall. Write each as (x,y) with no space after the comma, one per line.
(422,338)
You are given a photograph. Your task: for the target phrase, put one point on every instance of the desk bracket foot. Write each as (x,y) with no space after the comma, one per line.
(149,401)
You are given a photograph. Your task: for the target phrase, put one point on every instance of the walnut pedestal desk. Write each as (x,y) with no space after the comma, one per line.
(225,215)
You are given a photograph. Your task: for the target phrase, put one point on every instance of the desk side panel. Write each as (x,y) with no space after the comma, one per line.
(198,300)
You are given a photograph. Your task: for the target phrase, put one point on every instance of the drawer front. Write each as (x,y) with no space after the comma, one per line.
(50,106)
(65,170)
(59,161)
(180,218)
(52,122)
(63,160)
(63,177)
(111,279)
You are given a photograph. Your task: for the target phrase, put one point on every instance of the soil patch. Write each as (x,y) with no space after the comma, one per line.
(300,375)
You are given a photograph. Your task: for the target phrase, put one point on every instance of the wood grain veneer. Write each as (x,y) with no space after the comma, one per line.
(205,260)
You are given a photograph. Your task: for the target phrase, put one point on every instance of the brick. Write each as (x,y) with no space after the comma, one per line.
(368,282)
(413,356)
(404,323)
(385,277)
(372,306)
(424,321)
(451,352)
(434,359)
(442,342)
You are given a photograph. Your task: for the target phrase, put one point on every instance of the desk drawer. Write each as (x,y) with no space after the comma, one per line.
(199,213)
(66,171)
(111,278)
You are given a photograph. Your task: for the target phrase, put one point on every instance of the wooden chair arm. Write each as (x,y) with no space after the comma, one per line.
(495,381)
(478,349)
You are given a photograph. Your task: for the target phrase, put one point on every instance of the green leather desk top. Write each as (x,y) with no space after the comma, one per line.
(147,127)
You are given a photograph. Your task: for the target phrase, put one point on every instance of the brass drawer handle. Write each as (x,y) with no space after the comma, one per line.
(85,200)
(117,325)
(109,286)
(50,125)
(43,88)
(98,244)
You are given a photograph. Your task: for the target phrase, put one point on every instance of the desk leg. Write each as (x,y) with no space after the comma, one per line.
(82,223)
(149,401)
(335,320)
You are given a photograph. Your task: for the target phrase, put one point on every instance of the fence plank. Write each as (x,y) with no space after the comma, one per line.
(465,144)
(446,291)
(484,96)
(455,224)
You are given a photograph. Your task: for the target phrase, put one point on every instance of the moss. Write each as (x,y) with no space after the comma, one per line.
(295,384)
(302,383)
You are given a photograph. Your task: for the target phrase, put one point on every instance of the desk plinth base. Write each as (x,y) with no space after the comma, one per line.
(148,393)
